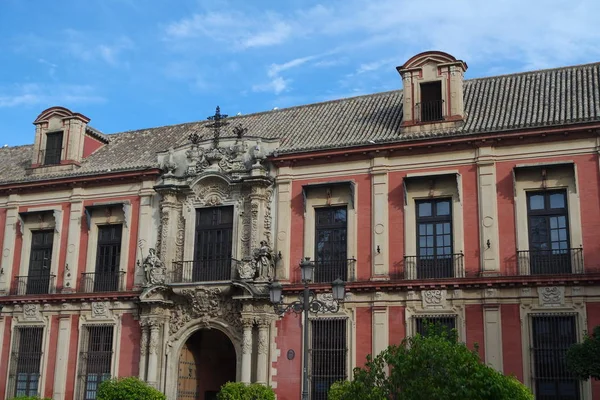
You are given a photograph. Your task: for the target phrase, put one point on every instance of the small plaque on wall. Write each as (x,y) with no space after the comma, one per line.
(291,354)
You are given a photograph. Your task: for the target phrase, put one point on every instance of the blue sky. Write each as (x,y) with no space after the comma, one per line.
(132,64)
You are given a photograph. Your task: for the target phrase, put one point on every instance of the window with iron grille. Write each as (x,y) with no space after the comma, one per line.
(551,337)
(434,238)
(431,101)
(328,353)
(213,244)
(108,256)
(548,222)
(331,244)
(26,359)
(53,148)
(40,260)
(95,359)
(422,323)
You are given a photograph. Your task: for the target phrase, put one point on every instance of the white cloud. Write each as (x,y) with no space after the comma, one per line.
(277,86)
(33,94)
(275,69)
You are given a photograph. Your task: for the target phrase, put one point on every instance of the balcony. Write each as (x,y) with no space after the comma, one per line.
(34,284)
(93,282)
(434,267)
(550,262)
(431,110)
(328,271)
(201,271)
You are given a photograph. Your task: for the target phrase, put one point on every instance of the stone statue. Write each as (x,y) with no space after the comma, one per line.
(154,269)
(263,257)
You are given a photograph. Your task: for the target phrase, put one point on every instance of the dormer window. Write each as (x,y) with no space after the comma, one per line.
(431,102)
(53,150)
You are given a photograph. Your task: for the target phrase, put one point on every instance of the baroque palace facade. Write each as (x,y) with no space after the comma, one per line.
(473,203)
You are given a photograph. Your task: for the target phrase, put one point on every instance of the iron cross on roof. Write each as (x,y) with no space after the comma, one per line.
(218,122)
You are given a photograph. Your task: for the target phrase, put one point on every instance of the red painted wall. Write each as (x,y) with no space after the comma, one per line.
(396,226)
(51,359)
(474,328)
(129,358)
(512,352)
(289,372)
(397,324)
(593,319)
(4,357)
(364,334)
(17,255)
(90,145)
(64,235)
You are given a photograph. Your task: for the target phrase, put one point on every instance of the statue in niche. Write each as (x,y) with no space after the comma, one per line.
(154,269)
(263,259)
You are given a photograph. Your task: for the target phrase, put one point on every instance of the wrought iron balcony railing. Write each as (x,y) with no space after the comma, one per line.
(547,262)
(92,282)
(434,267)
(202,270)
(329,271)
(431,110)
(34,284)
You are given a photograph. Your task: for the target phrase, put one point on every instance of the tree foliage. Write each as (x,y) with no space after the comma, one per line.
(130,388)
(583,359)
(242,391)
(429,367)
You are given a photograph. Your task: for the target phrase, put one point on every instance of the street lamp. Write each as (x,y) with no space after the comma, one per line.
(307,303)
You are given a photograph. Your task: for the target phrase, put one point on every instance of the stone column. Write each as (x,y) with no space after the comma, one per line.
(247,350)
(263,350)
(153,353)
(144,349)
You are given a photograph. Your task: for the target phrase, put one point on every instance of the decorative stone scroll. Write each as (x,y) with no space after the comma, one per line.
(433,299)
(552,296)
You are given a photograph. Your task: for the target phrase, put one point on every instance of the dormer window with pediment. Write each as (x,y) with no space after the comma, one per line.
(63,139)
(433,90)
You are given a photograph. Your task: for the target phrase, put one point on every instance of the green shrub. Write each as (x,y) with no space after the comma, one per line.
(583,359)
(241,391)
(435,366)
(130,388)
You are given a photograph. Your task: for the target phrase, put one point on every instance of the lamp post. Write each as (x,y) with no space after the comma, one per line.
(307,303)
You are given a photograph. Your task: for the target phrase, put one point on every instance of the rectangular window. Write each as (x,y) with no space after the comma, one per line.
(431,101)
(328,354)
(213,244)
(26,361)
(108,255)
(548,221)
(40,260)
(422,323)
(552,335)
(331,244)
(95,358)
(434,239)
(53,148)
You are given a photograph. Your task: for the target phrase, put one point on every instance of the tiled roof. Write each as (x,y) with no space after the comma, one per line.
(544,98)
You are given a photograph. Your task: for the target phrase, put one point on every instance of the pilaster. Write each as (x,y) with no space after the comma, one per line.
(62,357)
(262,363)
(379,215)
(73,242)
(247,324)
(488,211)
(283,228)
(8,253)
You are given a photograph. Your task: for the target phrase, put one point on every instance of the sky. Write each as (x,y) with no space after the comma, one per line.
(134,64)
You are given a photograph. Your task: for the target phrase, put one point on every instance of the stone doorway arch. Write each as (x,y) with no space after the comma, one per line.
(207,360)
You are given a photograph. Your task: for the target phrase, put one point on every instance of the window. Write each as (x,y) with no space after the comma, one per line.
(331,234)
(431,101)
(327,355)
(26,361)
(434,239)
(548,223)
(422,323)
(213,244)
(95,359)
(108,256)
(53,148)
(552,335)
(40,260)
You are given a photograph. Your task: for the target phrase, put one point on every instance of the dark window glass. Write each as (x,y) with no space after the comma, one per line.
(212,252)
(434,239)
(53,148)
(431,101)
(97,359)
(328,352)
(40,261)
(108,256)
(28,357)
(548,232)
(552,335)
(331,244)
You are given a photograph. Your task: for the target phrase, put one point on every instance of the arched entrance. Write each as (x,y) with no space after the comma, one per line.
(207,361)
